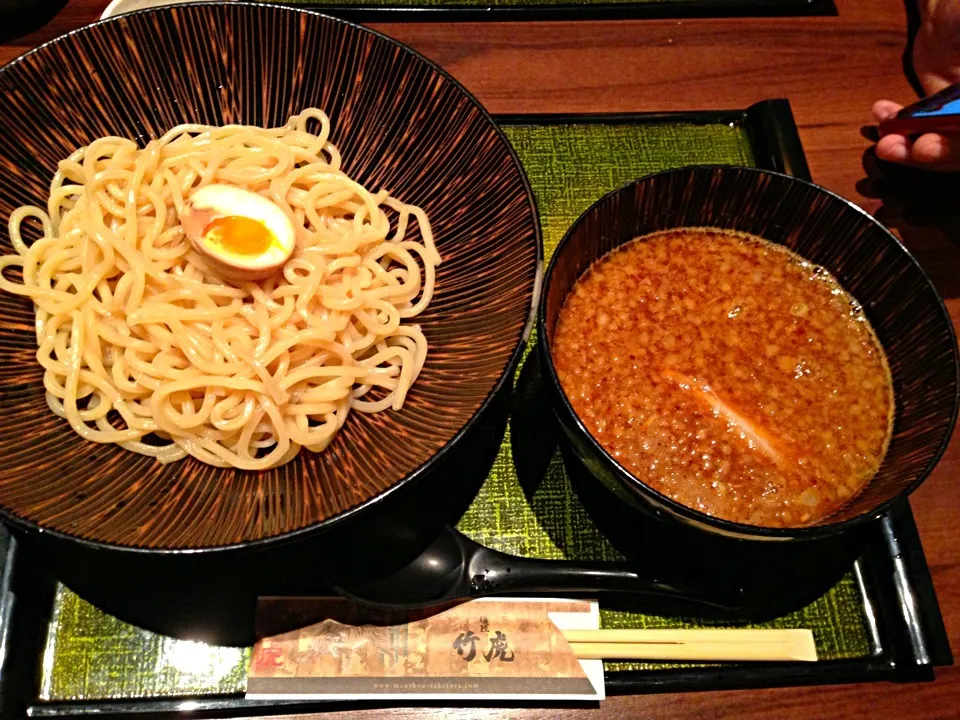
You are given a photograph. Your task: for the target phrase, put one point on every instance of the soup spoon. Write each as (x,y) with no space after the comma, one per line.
(454,567)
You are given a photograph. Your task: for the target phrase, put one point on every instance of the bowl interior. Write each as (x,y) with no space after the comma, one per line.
(899,300)
(400,123)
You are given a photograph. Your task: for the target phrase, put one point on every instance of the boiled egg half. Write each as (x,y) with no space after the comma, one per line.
(242,234)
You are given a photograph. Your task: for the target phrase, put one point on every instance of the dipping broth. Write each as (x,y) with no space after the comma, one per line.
(727,373)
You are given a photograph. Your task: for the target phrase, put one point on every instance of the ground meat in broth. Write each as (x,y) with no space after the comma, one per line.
(727,373)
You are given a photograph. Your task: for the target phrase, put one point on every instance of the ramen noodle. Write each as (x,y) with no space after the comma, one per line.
(144,344)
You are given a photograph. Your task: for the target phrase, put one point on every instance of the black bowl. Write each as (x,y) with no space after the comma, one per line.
(20,17)
(897,296)
(400,122)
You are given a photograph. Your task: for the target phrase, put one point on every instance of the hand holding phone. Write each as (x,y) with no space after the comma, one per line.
(939,113)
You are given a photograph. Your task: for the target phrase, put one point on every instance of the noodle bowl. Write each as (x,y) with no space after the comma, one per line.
(144,345)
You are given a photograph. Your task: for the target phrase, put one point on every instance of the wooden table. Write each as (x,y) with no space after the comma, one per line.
(831,69)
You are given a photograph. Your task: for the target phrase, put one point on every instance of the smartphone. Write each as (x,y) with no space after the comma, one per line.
(938,113)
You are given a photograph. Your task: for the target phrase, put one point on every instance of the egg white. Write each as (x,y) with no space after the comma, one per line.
(224,201)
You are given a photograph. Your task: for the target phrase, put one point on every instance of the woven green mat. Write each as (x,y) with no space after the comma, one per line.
(91,655)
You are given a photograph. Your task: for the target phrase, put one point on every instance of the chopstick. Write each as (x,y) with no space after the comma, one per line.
(693,644)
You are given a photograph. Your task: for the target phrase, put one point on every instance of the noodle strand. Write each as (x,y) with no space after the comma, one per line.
(144,346)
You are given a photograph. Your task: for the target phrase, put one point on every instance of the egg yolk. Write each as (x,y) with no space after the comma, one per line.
(239,235)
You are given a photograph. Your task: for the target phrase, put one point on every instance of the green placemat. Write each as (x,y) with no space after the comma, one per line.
(91,655)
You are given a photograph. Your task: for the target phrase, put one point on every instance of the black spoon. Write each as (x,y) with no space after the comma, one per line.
(455,567)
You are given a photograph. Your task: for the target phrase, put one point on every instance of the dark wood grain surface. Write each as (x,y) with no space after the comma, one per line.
(831,69)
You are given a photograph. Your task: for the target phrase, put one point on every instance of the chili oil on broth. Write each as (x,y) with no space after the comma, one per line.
(727,373)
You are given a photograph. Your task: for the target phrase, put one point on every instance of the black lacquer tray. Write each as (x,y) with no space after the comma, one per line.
(62,656)
(534,10)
